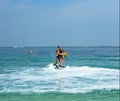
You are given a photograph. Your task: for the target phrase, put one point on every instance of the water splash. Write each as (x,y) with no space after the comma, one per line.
(71,79)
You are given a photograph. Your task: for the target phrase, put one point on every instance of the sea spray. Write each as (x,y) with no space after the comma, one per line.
(71,79)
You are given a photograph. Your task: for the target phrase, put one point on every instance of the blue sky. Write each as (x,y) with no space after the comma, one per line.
(59,22)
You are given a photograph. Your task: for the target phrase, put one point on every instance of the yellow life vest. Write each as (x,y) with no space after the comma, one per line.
(64,54)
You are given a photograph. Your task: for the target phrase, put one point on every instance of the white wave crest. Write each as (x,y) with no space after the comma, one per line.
(71,79)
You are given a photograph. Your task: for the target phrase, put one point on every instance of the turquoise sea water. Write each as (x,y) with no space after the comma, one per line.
(91,74)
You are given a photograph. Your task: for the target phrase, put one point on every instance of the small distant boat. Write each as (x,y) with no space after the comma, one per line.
(30,52)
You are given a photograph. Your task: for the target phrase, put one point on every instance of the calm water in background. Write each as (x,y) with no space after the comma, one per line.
(91,74)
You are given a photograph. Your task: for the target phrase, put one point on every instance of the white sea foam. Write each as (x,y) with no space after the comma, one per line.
(71,79)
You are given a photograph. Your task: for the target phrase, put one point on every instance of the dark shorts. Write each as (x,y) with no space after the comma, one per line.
(59,57)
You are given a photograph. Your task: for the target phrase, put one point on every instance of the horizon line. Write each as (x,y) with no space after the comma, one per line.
(60,45)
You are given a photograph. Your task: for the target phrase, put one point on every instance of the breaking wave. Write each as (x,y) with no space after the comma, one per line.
(71,79)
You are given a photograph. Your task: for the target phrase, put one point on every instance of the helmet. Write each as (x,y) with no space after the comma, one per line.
(58,46)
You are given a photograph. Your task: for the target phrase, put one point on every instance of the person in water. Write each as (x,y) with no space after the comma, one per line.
(59,56)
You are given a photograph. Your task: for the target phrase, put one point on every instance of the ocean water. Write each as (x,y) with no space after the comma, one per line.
(90,74)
